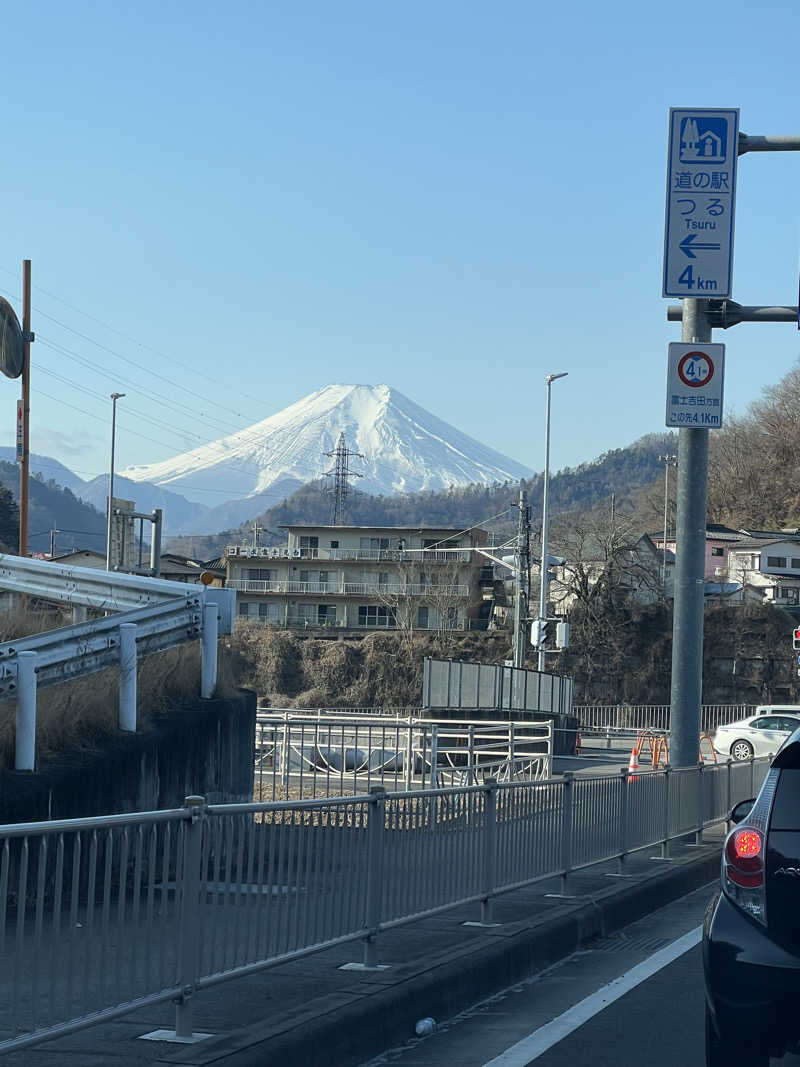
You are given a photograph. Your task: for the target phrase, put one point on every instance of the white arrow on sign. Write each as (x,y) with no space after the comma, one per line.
(701,193)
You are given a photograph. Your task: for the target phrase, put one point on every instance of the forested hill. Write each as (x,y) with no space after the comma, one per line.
(54,508)
(622,472)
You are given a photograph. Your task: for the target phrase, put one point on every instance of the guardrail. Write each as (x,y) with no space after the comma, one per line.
(655,716)
(301,756)
(99,917)
(149,615)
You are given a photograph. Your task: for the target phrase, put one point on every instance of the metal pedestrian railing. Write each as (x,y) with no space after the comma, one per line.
(99,917)
(301,755)
(653,716)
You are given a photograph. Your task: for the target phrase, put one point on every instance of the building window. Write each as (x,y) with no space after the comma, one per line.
(776,561)
(422,618)
(268,611)
(717,551)
(376,615)
(259,574)
(334,544)
(795,563)
(374,544)
(323,580)
(243,607)
(326,614)
(309,547)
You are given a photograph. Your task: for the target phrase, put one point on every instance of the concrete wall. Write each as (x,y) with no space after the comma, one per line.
(205,749)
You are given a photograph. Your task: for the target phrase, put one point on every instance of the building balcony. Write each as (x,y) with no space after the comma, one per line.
(371,589)
(375,555)
(298,622)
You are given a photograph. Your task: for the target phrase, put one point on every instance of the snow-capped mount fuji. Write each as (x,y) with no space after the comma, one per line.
(404,447)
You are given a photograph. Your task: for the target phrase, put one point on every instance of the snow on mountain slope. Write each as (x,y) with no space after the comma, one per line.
(405,449)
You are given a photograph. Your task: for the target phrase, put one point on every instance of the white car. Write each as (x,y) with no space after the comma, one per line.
(758,735)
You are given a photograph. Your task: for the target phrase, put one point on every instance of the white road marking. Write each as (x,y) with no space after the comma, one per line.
(537,1043)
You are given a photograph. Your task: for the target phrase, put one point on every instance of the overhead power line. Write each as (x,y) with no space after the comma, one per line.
(133,340)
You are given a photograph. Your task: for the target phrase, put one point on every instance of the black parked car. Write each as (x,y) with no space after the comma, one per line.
(751,935)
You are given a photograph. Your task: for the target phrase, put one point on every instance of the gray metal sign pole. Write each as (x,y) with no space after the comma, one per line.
(690,568)
(698,317)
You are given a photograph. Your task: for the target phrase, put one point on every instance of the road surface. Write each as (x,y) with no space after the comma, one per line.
(633,998)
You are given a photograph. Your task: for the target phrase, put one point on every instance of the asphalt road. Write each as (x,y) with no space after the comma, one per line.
(658,1022)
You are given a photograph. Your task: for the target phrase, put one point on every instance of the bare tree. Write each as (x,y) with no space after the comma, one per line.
(607,560)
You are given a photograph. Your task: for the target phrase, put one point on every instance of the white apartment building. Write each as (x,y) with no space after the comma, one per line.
(771,566)
(362,577)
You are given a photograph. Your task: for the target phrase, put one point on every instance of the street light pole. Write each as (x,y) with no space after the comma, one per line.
(114,398)
(545,517)
(668,461)
(522,560)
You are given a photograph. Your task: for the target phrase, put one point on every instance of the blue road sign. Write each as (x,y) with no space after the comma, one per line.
(701,193)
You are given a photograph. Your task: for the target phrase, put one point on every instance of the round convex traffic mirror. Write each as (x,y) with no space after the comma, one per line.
(12,350)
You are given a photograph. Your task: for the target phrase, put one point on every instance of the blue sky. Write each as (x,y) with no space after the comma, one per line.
(258,199)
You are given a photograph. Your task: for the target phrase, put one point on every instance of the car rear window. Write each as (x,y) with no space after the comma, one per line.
(786,805)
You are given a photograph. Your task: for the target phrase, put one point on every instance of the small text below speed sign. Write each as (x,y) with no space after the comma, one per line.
(695,379)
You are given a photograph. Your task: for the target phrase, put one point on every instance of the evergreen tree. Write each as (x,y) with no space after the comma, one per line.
(9,521)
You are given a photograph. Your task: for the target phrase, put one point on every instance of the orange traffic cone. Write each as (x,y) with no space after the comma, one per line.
(633,764)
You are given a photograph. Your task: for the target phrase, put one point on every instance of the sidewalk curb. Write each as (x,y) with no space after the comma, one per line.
(343,1030)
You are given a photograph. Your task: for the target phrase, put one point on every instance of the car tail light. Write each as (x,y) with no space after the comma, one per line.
(744,852)
(744,855)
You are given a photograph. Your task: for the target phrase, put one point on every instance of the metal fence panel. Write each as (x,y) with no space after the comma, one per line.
(456,685)
(88,921)
(655,716)
(299,757)
(101,916)
(528,831)
(596,812)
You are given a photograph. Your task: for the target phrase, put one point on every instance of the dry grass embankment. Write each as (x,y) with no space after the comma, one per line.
(377,670)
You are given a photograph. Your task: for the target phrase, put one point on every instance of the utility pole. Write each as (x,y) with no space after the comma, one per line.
(53,542)
(523,565)
(256,531)
(25,404)
(341,474)
(543,578)
(114,398)
(668,461)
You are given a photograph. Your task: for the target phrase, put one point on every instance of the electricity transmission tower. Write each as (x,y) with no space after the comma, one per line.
(341,455)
